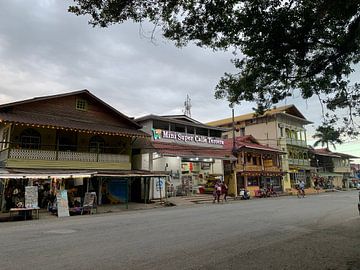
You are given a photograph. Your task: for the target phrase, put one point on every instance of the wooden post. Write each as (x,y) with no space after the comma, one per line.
(100,190)
(127,193)
(3,201)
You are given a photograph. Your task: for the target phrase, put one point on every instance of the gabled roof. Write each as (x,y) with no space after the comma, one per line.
(184,120)
(79,92)
(249,142)
(182,117)
(68,121)
(290,110)
(327,152)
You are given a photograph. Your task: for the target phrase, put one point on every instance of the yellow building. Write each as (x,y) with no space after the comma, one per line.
(257,166)
(282,128)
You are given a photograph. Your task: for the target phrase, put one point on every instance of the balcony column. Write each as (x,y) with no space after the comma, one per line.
(262,162)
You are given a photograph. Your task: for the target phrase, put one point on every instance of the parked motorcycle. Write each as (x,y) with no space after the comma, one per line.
(244,194)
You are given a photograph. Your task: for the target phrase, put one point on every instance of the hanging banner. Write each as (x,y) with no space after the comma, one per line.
(62,203)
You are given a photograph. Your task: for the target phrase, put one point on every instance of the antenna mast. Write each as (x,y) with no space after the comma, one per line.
(187,106)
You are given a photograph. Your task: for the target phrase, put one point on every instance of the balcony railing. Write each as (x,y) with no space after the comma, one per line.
(294,161)
(249,167)
(296,142)
(33,154)
(272,169)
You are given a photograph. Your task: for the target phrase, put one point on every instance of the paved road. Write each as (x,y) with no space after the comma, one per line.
(317,232)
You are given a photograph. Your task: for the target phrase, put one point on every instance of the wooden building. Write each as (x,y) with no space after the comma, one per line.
(257,166)
(74,137)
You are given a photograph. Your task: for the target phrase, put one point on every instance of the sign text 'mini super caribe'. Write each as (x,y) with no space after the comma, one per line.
(177,136)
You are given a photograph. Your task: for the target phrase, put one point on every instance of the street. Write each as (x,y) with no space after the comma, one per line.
(316,232)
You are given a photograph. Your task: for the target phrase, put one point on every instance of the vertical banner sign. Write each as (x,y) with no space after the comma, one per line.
(31,197)
(62,204)
(159,188)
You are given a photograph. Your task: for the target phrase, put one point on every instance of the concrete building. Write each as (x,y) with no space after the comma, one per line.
(282,128)
(190,152)
(333,168)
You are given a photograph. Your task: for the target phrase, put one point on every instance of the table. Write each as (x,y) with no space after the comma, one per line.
(26,211)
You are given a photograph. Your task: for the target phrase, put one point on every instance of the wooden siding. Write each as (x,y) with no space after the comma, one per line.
(55,164)
(66,106)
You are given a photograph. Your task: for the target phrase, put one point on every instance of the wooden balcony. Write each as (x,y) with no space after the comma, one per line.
(32,158)
(241,167)
(272,169)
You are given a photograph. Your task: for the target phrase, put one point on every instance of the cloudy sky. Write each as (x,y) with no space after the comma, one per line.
(45,50)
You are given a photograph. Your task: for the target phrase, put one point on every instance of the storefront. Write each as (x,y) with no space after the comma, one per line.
(257,166)
(190,152)
(72,188)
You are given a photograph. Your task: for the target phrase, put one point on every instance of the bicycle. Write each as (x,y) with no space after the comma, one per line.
(300,193)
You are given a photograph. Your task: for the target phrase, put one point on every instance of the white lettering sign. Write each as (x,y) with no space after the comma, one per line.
(165,134)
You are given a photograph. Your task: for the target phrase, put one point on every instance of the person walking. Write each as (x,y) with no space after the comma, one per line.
(224,190)
(217,192)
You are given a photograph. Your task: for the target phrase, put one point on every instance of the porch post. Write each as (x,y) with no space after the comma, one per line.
(100,189)
(3,201)
(127,193)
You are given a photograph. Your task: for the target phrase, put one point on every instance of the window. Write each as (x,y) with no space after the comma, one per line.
(96,144)
(248,158)
(177,128)
(81,104)
(215,133)
(253,181)
(254,160)
(190,130)
(281,132)
(288,133)
(4,140)
(202,131)
(30,139)
(161,125)
(242,131)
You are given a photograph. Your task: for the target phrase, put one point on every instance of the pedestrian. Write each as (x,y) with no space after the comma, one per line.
(217,192)
(224,190)
(302,188)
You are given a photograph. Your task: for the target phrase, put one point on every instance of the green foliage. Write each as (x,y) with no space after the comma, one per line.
(285,45)
(326,135)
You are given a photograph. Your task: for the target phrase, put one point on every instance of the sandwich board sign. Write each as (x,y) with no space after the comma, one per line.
(62,204)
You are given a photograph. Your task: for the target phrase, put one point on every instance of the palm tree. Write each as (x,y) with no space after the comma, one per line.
(327,135)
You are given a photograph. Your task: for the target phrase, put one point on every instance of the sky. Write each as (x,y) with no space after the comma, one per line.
(45,50)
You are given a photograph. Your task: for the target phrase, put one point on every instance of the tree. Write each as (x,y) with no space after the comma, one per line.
(326,135)
(310,46)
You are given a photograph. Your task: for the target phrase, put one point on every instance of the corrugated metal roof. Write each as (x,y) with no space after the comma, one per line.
(51,121)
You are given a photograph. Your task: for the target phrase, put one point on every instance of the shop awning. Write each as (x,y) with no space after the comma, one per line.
(191,151)
(130,173)
(48,174)
(43,174)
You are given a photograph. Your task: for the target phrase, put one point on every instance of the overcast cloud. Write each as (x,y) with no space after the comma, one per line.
(45,50)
